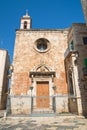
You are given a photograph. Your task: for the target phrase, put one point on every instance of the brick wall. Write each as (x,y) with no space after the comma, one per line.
(26,57)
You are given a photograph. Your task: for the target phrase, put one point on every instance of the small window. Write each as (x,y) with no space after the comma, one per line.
(85,40)
(71,45)
(85,62)
(71,91)
(25,25)
(85,67)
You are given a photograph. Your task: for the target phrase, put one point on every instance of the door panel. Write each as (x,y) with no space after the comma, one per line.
(42,94)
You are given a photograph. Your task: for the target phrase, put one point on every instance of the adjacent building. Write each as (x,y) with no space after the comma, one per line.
(84,5)
(76,68)
(4,67)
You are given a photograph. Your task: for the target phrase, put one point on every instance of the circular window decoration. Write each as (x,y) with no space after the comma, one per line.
(42,45)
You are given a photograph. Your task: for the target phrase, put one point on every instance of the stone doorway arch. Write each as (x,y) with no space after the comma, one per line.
(42,81)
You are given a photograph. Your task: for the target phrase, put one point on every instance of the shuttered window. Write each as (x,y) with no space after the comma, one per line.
(71,45)
(85,62)
(85,40)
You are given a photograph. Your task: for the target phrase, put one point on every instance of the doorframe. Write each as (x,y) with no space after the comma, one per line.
(42,73)
(51,91)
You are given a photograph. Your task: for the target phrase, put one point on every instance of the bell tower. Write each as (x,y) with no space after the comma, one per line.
(25,22)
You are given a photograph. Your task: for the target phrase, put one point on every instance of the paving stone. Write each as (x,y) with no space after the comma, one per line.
(42,123)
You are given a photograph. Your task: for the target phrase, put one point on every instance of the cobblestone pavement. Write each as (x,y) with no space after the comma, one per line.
(44,123)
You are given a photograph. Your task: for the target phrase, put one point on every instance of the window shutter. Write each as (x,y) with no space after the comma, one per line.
(85,62)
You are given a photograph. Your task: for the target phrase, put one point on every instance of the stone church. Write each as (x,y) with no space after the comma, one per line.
(49,70)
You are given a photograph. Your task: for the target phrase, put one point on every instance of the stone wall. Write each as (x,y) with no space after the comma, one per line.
(62,104)
(19,105)
(27,57)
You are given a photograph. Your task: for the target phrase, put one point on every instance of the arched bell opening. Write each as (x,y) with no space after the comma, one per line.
(25,24)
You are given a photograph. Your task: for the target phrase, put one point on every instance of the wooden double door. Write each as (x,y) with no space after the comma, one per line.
(42,94)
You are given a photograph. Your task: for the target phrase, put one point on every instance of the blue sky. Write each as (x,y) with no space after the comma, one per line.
(45,14)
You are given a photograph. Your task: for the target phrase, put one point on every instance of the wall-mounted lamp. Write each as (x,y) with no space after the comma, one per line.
(54,87)
(52,78)
(10,70)
(32,78)
(31,88)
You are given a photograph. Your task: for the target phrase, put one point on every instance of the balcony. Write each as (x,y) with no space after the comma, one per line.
(68,52)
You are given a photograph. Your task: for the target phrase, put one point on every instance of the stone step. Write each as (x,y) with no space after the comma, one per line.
(42,115)
(43,110)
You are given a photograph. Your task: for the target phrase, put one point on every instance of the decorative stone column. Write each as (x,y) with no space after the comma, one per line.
(77,87)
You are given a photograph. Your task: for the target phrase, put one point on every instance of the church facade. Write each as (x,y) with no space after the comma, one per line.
(49,70)
(39,72)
